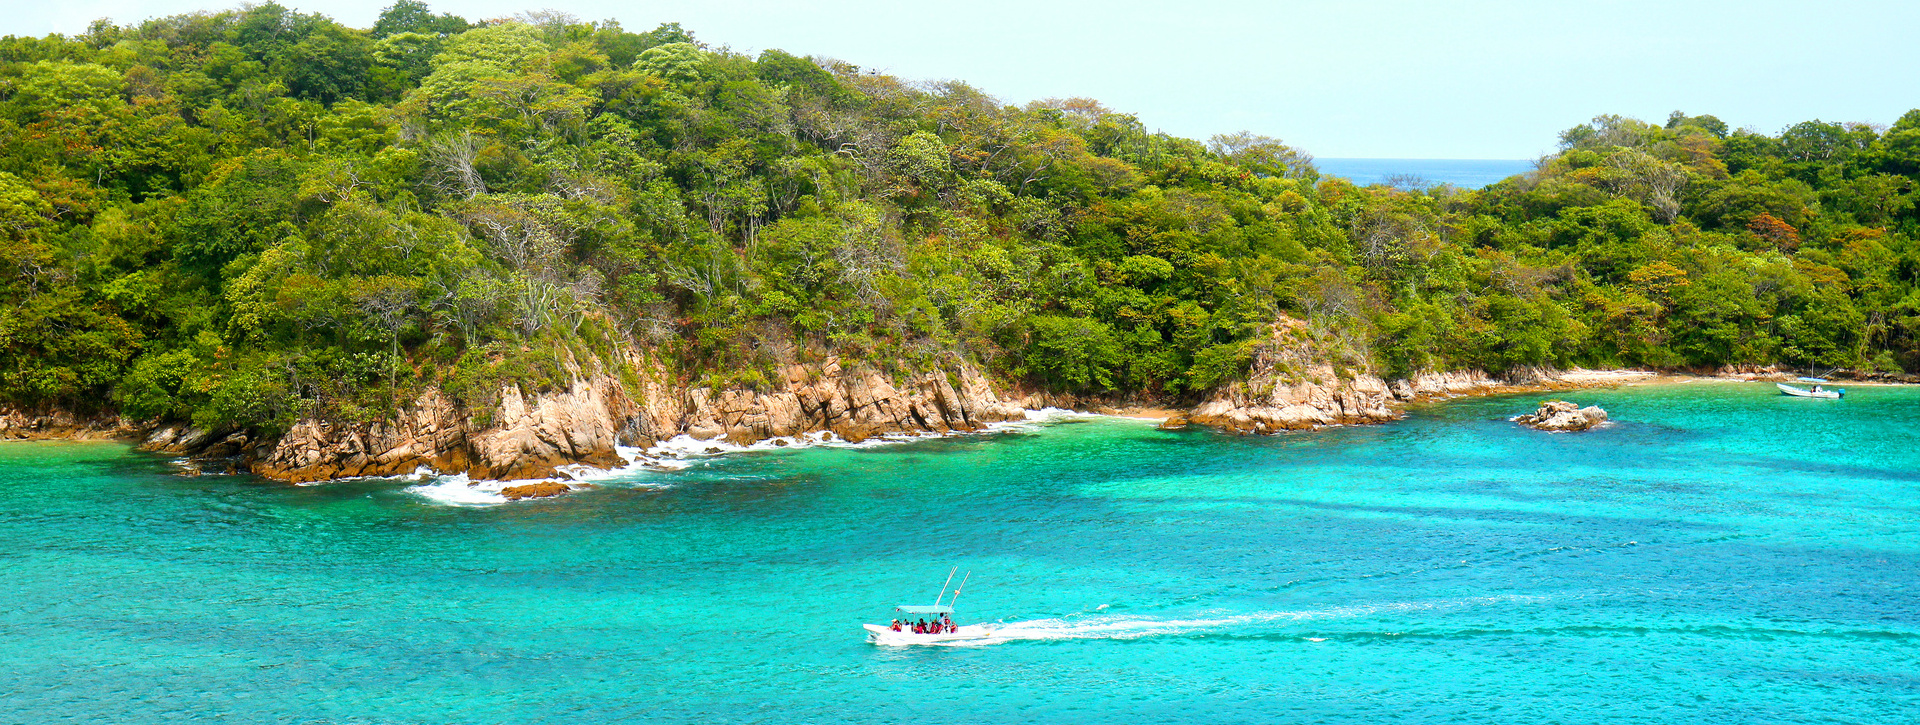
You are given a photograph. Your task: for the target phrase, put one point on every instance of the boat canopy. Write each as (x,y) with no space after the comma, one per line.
(1812,380)
(923,609)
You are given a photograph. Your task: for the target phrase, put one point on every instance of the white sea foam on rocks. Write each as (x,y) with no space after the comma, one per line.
(685,451)
(458,490)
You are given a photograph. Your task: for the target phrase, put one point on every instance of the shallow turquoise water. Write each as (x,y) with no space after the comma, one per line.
(1721,554)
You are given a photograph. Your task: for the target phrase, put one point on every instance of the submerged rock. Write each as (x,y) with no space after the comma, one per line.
(543,489)
(1174,422)
(1562,415)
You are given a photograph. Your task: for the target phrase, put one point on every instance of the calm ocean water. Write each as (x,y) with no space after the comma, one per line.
(1464,173)
(1721,554)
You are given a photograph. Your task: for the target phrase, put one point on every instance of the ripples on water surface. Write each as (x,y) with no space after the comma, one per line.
(1720,554)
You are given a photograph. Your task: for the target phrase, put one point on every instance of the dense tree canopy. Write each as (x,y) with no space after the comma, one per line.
(252,215)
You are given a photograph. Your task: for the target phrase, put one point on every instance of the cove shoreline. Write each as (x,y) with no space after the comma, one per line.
(1305,404)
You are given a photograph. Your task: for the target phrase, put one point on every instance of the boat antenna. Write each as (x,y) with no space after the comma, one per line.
(943,586)
(956,590)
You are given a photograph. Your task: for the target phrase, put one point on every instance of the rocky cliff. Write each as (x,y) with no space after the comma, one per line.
(1300,381)
(62,425)
(853,404)
(1297,381)
(528,437)
(532,436)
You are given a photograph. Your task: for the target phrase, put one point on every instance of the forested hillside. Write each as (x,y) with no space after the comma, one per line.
(251,216)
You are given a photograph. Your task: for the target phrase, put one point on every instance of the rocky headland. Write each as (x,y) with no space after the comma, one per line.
(1297,380)
(532,436)
(1301,380)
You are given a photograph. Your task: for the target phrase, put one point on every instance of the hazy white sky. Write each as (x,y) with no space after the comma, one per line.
(1359,78)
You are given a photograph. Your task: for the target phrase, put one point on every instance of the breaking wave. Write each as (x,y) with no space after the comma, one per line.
(685,451)
(458,490)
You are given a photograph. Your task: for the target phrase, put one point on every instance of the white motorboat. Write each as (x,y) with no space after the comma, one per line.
(934,622)
(1817,391)
(884,634)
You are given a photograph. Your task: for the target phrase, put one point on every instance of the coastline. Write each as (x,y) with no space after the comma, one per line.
(208,452)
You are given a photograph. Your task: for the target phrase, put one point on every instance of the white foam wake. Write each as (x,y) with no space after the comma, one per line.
(1116,626)
(684,451)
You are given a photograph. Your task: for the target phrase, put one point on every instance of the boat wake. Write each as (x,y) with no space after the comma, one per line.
(1124,627)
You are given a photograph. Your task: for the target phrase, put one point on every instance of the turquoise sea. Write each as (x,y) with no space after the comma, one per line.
(1719,554)
(1464,173)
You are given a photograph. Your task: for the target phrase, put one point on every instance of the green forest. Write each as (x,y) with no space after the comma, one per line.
(250,216)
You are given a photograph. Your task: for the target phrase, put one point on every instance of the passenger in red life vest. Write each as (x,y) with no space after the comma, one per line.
(896,625)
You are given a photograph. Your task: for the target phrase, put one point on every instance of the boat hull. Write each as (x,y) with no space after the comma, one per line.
(880,634)
(1806,393)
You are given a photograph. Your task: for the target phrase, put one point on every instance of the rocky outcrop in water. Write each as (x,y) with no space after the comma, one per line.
(220,450)
(1300,381)
(543,489)
(1560,415)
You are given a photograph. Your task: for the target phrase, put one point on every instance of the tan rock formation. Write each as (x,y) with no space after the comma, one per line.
(431,433)
(63,425)
(543,489)
(573,426)
(1560,415)
(1294,384)
(853,404)
(529,437)
(1299,381)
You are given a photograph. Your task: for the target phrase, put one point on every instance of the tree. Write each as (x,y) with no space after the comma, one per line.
(413,16)
(675,62)
(1075,353)
(1262,155)
(387,301)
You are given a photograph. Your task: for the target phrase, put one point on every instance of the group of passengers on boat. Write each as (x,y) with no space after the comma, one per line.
(940,625)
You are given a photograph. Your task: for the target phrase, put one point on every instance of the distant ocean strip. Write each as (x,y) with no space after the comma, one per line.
(1464,173)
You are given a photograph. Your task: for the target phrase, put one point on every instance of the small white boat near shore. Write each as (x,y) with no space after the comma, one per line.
(927,624)
(1817,391)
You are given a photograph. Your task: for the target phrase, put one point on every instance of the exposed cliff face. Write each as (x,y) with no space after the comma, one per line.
(854,404)
(526,439)
(1294,384)
(63,425)
(530,437)
(1297,382)
(429,433)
